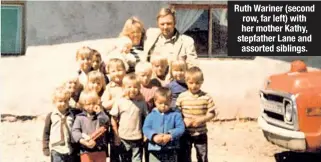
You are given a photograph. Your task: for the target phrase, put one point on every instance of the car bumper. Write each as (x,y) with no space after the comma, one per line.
(293,140)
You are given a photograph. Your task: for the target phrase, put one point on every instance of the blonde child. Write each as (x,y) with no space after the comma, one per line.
(58,124)
(143,71)
(127,120)
(96,82)
(197,108)
(160,70)
(177,84)
(123,51)
(86,124)
(74,88)
(84,59)
(163,127)
(116,71)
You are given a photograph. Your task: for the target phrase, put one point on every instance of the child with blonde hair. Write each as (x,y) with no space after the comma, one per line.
(87,124)
(197,108)
(123,51)
(143,71)
(84,59)
(58,124)
(160,76)
(96,82)
(128,114)
(74,87)
(116,71)
(177,84)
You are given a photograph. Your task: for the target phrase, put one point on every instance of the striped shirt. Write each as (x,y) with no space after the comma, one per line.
(193,106)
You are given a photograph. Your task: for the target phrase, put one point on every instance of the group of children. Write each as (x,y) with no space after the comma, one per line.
(156,109)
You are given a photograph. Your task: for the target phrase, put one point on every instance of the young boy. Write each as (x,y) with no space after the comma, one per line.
(143,71)
(160,67)
(58,124)
(116,70)
(84,59)
(163,127)
(97,63)
(197,108)
(86,124)
(127,114)
(177,85)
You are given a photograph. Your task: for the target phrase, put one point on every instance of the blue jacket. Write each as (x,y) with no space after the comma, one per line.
(170,122)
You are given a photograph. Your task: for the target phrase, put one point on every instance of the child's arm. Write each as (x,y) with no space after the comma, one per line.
(107,101)
(46,135)
(211,113)
(179,129)
(114,124)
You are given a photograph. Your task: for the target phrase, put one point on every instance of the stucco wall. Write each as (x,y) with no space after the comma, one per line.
(56,22)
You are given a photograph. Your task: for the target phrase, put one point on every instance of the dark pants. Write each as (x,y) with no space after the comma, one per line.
(58,157)
(146,152)
(131,150)
(163,156)
(186,144)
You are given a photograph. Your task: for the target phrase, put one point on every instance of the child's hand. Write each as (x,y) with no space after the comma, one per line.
(197,122)
(145,139)
(188,122)
(158,138)
(166,138)
(117,141)
(91,144)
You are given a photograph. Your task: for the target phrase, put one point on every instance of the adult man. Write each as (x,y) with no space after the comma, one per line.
(168,41)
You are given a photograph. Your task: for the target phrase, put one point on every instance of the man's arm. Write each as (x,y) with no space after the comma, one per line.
(190,52)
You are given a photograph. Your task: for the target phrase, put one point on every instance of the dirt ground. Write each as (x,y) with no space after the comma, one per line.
(232,141)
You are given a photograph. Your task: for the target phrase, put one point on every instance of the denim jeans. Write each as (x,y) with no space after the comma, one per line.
(58,157)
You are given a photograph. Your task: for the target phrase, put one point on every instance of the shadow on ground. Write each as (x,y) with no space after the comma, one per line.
(290,156)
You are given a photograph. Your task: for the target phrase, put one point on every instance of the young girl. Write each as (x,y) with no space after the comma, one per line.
(84,59)
(127,114)
(74,88)
(96,82)
(88,123)
(177,85)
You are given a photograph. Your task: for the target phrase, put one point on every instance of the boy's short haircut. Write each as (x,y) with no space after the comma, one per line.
(115,61)
(159,57)
(163,92)
(84,51)
(194,73)
(86,96)
(131,78)
(143,66)
(94,75)
(61,92)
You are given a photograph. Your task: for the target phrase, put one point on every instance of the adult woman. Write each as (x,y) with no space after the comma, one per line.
(134,29)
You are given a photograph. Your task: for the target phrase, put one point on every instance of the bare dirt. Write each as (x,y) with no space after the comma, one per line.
(232,141)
